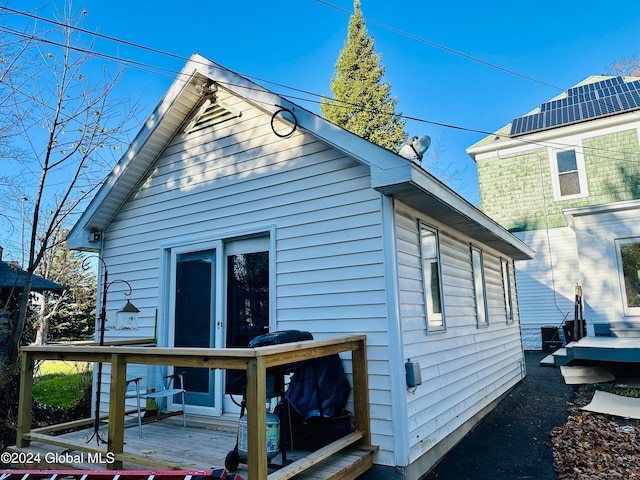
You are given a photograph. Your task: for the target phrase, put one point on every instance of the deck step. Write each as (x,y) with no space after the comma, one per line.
(625,330)
(548,361)
(339,451)
(347,464)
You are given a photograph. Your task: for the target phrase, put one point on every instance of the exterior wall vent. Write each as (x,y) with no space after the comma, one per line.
(212,112)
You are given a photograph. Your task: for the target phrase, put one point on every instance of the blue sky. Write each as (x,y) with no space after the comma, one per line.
(296,43)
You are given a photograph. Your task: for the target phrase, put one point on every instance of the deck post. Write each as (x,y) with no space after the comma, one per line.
(24,399)
(256,418)
(361,412)
(116,408)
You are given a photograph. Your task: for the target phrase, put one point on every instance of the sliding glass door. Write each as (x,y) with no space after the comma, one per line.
(195,309)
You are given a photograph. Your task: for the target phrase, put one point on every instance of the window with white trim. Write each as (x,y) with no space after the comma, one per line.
(569,178)
(430,255)
(477,265)
(506,288)
(629,261)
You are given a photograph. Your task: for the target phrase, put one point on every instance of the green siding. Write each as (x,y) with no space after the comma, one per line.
(613,167)
(514,188)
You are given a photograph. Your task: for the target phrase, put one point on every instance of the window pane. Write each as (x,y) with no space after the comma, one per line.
(431,277)
(247,297)
(247,306)
(569,184)
(567,161)
(435,288)
(630,255)
(478,283)
(194,304)
(506,288)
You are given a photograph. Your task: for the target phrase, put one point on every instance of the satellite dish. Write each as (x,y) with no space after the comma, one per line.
(415,148)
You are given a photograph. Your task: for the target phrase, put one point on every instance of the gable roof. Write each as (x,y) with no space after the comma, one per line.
(596,97)
(391,174)
(12,276)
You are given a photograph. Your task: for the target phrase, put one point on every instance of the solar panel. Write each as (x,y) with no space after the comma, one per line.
(584,102)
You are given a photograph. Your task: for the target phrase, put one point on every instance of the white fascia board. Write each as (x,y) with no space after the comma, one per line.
(411,177)
(438,189)
(78,238)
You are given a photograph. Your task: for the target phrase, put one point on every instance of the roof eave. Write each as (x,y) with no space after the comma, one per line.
(418,189)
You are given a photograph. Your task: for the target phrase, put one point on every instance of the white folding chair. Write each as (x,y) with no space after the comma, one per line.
(133,391)
(169,389)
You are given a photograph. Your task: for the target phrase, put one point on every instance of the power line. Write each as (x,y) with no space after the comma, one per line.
(442,47)
(174,73)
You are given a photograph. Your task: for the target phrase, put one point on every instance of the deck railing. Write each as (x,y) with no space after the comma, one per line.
(254,361)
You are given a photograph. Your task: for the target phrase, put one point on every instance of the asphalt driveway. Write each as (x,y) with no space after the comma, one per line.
(513,441)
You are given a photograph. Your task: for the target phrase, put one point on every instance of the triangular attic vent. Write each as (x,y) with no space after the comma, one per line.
(212,112)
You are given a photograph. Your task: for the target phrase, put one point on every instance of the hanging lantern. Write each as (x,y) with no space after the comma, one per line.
(127,317)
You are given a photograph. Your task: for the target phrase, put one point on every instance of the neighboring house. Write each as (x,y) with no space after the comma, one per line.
(565,179)
(12,281)
(235,212)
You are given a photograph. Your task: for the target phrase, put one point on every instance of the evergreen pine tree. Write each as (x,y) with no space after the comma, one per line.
(361,103)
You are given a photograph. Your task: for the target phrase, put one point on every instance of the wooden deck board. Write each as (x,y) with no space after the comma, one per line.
(607,349)
(170,446)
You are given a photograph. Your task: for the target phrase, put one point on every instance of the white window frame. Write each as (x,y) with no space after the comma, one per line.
(506,288)
(555,173)
(435,321)
(630,311)
(479,286)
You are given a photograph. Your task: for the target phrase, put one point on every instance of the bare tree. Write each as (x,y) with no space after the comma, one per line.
(628,67)
(15,54)
(447,173)
(71,126)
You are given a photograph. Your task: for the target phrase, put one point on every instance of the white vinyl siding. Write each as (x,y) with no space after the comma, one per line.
(463,368)
(599,233)
(546,283)
(238,178)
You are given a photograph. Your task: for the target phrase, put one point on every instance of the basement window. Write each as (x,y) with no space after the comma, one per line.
(212,112)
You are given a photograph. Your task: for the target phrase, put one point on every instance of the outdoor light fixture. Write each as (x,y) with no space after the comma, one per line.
(94,235)
(129,317)
(205,88)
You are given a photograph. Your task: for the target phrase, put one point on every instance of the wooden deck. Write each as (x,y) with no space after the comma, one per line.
(599,349)
(167,445)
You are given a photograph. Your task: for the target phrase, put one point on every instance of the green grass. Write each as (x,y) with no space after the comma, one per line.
(61,384)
